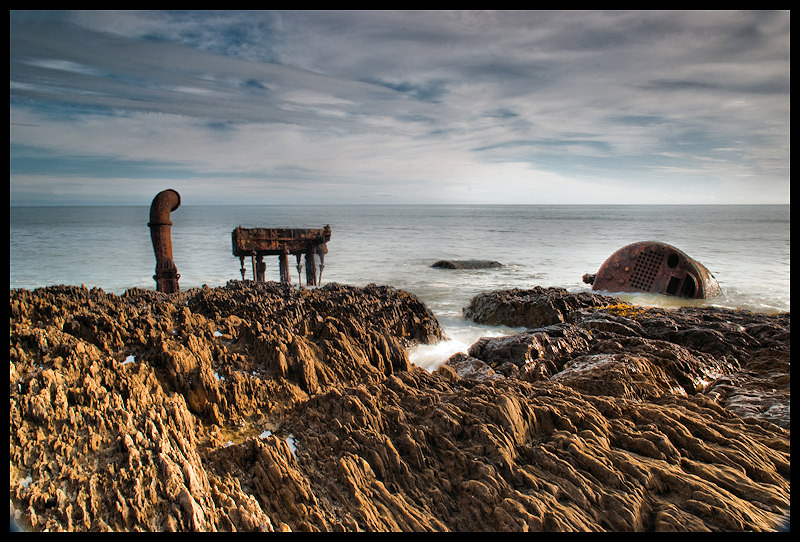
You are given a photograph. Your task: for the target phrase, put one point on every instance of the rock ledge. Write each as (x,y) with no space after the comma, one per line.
(266,408)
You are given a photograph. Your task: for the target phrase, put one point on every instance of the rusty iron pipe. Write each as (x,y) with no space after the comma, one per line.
(166,276)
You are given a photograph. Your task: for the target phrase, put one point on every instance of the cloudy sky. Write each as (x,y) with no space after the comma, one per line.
(375,107)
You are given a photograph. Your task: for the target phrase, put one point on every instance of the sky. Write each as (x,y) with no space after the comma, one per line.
(399,107)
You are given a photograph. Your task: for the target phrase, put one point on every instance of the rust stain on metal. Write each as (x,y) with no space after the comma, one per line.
(651,266)
(166,276)
(259,242)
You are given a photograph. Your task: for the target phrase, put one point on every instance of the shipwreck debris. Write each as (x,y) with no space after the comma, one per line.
(654,267)
(259,242)
(166,276)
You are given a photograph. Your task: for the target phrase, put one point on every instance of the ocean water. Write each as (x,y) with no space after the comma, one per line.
(746,248)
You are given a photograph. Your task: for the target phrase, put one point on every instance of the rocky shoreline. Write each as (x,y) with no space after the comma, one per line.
(261,407)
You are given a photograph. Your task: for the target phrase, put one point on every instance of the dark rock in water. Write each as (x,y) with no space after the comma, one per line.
(537,307)
(261,407)
(467,264)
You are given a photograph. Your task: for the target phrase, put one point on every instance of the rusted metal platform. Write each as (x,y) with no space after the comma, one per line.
(259,242)
(655,267)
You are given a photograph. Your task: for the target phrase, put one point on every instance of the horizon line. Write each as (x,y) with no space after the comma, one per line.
(391,204)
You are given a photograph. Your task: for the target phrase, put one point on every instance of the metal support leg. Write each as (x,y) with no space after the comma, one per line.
(283,263)
(321,254)
(261,269)
(311,268)
(299,270)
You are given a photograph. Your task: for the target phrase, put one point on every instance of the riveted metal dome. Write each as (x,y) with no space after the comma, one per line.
(651,266)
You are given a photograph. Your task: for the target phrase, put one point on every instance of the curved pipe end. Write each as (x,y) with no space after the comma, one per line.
(163,204)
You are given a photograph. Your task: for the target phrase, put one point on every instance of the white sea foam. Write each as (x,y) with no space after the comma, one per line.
(460,336)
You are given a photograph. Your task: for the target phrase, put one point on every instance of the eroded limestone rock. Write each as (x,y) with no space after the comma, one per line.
(267,408)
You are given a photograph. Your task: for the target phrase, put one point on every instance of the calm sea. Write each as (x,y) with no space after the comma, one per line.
(746,247)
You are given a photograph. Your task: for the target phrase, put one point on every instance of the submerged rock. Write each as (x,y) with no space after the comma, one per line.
(467,264)
(260,407)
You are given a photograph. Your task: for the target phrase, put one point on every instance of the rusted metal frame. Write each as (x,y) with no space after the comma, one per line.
(258,242)
(274,241)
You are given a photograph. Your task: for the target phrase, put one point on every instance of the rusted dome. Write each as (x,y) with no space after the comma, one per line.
(651,266)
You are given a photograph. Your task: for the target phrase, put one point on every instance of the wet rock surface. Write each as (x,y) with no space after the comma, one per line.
(467,264)
(266,408)
(537,307)
(605,346)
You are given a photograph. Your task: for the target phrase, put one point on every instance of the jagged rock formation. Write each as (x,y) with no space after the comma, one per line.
(262,407)
(602,345)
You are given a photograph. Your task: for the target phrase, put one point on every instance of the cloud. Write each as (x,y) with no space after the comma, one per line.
(422,107)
